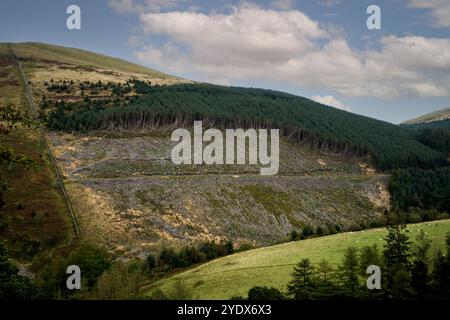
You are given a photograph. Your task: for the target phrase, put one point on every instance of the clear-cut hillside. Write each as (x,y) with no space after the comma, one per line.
(130,196)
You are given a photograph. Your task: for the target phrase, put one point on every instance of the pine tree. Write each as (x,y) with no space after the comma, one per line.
(326,286)
(420,271)
(349,272)
(396,256)
(370,255)
(302,283)
(325,272)
(441,274)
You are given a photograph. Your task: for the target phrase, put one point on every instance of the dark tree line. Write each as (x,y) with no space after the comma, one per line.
(117,89)
(436,138)
(169,258)
(420,189)
(431,125)
(415,189)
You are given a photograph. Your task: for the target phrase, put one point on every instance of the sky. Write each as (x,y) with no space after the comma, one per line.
(320,49)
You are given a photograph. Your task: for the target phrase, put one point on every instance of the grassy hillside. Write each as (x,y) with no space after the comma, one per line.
(46,53)
(43,63)
(272,266)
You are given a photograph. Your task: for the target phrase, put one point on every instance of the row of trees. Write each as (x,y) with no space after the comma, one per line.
(407,272)
(308,231)
(118,89)
(170,258)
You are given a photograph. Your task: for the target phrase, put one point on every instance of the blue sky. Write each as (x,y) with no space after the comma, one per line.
(319,49)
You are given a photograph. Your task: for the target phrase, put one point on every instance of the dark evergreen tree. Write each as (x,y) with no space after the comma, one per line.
(293,235)
(229,247)
(302,284)
(370,255)
(396,256)
(441,274)
(420,267)
(349,270)
(150,261)
(325,281)
(307,231)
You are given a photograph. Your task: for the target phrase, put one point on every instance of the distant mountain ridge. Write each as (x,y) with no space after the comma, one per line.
(439,115)
(63,55)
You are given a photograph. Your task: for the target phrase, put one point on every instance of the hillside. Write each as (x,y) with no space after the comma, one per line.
(432,130)
(35,218)
(108,127)
(300,119)
(64,57)
(272,266)
(439,115)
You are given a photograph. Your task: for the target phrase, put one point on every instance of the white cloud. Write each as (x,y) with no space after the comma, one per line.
(331,101)
(283,4)
(439,10)
(169,55)
(252,43)
(249,37)
(412,65)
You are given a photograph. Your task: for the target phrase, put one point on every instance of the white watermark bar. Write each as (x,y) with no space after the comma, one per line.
(192,150)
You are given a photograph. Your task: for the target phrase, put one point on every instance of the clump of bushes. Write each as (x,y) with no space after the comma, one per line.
(169,258)
(308,231)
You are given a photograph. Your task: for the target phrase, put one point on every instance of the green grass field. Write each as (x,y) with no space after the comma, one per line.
(272,266)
